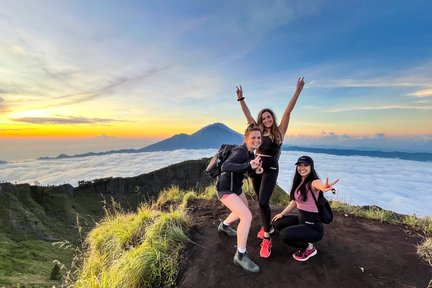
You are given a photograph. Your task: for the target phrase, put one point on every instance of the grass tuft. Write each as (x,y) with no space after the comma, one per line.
(424,250)
(168,197)
(421,224)
(379,214)
(135,250)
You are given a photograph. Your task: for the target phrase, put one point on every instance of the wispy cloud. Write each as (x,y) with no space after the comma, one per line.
(392,80)
(382,107)
(378,141)
(164,61)
(3,107)
(329,135)
(63,120)
(422,93)
(112,84)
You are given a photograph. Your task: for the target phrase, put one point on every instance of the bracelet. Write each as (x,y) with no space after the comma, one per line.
(240,99)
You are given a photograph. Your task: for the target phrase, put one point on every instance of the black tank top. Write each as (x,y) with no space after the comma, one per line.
(268,147)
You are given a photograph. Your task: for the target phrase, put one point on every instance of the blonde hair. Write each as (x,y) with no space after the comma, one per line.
(252,127)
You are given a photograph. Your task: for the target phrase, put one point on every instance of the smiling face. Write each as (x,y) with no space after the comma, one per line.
(303,169)
(253,140)
(267,119)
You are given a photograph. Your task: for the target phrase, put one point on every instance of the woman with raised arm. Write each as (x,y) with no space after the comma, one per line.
(305,228)
(229,189)
(269,151)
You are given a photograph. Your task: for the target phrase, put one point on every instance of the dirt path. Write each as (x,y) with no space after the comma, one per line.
(354,252)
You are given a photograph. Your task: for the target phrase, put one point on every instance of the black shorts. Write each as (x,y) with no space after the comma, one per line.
(220,194)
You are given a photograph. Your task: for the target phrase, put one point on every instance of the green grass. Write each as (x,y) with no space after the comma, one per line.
(136,250)
(424,250)
(29,263)
(422,224)
(142,249)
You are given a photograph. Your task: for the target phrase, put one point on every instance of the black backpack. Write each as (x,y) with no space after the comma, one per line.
(214,166)
(324,209)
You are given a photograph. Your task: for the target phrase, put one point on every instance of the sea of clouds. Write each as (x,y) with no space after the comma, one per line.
(402,186)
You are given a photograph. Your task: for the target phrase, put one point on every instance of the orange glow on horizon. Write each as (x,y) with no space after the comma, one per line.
(86,131)
(166,130)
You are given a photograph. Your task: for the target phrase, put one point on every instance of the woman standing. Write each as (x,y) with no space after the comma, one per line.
(229,189)
(305,228)
(269,151)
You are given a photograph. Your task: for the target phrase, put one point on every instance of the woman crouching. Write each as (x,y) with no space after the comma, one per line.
(305,228)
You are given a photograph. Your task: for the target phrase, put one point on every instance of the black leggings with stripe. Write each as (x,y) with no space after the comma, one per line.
(264,185)
(299,230)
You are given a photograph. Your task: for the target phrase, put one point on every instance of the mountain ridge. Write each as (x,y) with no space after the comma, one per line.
(210,136)
(213,135)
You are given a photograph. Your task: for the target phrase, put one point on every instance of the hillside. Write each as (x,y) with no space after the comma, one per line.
(50,212)
(33,217)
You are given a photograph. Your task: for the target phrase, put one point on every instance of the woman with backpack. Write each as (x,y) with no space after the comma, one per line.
(305,228)
(269,151)
(229,184)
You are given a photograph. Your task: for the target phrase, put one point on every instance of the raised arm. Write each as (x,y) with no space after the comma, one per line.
(283,126)
(245,109)
(318,185)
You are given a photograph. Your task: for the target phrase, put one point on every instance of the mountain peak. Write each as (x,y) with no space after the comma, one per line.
(217,128)
(210,136)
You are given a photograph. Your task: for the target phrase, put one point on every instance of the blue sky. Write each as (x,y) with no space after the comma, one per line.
(151,69)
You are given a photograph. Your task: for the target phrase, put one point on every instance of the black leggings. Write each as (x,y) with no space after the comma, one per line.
(299,230)
(264,185)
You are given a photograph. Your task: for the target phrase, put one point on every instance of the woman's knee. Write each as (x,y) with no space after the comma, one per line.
(318,237)
(246,216)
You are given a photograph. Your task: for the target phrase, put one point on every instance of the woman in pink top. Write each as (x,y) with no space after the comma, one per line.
(305,228)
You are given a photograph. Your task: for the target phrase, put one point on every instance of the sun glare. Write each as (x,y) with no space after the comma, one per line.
(30,114)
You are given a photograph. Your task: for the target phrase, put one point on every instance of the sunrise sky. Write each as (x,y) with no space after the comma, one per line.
(151,69)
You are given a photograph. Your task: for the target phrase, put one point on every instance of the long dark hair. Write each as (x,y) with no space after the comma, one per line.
(313,175)
(275,134)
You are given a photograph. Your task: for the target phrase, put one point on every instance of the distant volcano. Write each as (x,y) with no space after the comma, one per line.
(211,136)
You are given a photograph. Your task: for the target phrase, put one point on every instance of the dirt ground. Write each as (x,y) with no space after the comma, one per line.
(354,252)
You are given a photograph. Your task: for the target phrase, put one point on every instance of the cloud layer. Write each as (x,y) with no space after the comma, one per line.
(398,185)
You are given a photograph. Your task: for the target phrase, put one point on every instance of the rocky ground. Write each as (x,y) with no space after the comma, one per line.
(354,252)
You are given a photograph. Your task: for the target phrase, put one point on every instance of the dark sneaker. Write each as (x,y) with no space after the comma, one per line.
(227,230)
(242,260)
(260,234)
(304,254)
(265,250)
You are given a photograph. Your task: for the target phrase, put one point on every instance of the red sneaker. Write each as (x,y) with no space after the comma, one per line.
(304,254)
(260,234)
(265,250)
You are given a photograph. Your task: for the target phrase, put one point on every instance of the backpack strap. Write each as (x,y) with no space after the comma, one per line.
(313,195)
